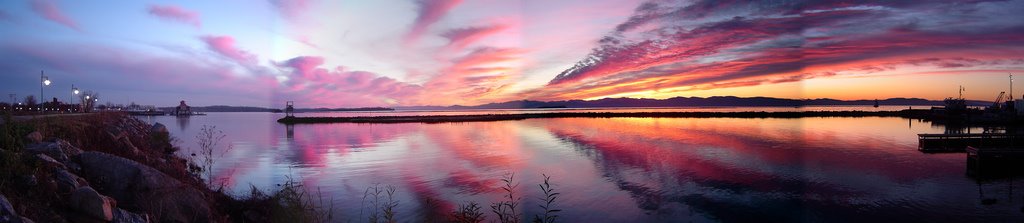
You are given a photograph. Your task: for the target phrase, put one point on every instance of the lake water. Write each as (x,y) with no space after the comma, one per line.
(618,169)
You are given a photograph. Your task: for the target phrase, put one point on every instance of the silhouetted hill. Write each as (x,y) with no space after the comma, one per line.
(716,101)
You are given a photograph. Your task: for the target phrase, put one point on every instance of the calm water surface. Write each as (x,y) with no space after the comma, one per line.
(619,169)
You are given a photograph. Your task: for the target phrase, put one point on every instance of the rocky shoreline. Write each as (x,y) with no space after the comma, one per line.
(105,168)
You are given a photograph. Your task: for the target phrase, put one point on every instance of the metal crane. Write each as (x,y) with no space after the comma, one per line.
(998,101)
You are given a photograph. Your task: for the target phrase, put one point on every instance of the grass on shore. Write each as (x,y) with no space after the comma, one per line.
(382,205)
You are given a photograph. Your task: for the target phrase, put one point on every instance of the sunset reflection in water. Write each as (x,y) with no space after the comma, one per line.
(622,169)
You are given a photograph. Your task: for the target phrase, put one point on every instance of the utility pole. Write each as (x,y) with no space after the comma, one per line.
(1011,87)
(41,82)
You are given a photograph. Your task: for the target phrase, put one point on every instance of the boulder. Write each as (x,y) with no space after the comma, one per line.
(7,213)
(34,137)
(68,149)
(27,180)
(158,128)
(123,216)
(58,150)
(88,202)
(124,144)
(142,188)
(51,149)
(49,161)
(68,182)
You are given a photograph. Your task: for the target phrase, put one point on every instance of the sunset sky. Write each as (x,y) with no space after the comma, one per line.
(444,52)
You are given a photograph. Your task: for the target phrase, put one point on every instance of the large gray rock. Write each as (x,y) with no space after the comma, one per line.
(122,216)
(7,213)
(68,182)
(158,128)
(142,188)
(50,149)
(59,150)
(87,201)
(34,137)
(49,161)
(124,144)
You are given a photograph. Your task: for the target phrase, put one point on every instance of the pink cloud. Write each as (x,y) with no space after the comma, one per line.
(291,9)
(174,13)
(304,39)
(225,46)
(47,9)
(342,87)
(677,46)
(429,12)
(462,37)
(476,77)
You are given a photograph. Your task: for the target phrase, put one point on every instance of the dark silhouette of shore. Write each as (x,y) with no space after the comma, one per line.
(504,117)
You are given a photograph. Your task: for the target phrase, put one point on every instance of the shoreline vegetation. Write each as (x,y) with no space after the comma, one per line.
(112,167)
(907,113)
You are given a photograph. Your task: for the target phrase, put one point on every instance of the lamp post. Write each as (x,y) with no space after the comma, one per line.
(45,82)
(74,91)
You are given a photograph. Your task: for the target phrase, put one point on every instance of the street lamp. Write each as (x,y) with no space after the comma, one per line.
(46,82)
(87,100)
(74,91)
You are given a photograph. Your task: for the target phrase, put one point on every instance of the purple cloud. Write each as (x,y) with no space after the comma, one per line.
(47,9)
(734,43)
(429,12)
(459,38)
(291,9)
(5,16)
(225,46)
(339,86)
(174,13)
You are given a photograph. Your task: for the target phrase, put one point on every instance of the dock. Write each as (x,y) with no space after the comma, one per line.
(994,162)
(958,142)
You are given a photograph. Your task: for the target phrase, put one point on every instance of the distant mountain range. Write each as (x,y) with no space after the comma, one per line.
(716,101)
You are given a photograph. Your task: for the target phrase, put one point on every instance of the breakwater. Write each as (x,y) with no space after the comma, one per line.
(506,117)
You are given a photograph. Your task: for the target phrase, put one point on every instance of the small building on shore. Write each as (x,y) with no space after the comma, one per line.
(183,109)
